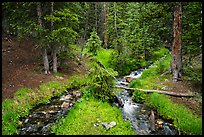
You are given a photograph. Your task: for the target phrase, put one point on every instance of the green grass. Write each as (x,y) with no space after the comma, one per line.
(183,117)
(149,76)
(104,55)
(81,118)
(25,99)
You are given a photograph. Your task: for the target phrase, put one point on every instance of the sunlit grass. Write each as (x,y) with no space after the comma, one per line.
(82,117)
(104,56)
(184,119)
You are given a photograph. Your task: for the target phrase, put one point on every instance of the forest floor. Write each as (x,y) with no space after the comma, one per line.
(22,67)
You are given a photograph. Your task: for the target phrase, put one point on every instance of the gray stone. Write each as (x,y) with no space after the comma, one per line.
(112,124)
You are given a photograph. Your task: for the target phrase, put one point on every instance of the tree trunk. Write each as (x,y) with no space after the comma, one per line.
(176,62)
(159,91)
(45,60)
(54,49)
(44,50)
(105,27)
(115,18)
(54,57)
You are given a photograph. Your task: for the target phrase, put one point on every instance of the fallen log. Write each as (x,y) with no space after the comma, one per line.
(158,91)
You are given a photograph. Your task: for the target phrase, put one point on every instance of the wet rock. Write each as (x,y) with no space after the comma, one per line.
(167,131)
(105,125)
(128,79)
(52,111)
(96,124)
(26,121)
(65,105)
(108,126)
(76,93)
(67,97)
(159,123)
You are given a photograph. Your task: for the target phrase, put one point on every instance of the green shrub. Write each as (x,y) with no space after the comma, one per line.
(102,81)
(94,43)
(139,96)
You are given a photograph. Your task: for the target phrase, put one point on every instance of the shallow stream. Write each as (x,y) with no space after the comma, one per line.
(139,114)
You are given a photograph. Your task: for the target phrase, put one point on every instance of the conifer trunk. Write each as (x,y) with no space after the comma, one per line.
(44,50)
(54,49)
(176,62)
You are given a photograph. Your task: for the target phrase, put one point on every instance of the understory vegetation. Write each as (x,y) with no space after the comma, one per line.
(184,119)
(25,99)
(110,39)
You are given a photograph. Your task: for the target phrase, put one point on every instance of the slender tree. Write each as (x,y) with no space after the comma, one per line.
(54,48)
(44,50)
(176,62)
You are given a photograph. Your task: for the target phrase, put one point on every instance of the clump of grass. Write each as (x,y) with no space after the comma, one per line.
(158,54)
(183,118)
(104,55)
(81,118)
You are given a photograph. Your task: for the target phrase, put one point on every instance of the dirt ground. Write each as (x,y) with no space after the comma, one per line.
(193,103)
(22,66)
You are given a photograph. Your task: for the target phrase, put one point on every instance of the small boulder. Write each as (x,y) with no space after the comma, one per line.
(65,105)
(159,123)
(128,79)
(112,124)
(76,93)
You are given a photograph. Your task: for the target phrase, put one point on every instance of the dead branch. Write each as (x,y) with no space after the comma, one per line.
(158,91)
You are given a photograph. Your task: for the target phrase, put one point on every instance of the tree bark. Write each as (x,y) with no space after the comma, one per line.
(105,27)
(115,18)
(54,49)
(44,50)
(176,62)
(158,91)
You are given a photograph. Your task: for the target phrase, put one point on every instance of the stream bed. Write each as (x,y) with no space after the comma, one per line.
(41,118)
(139,114)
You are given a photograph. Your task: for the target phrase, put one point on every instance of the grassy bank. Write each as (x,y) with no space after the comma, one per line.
(183,118)
(25,99)
(82,117)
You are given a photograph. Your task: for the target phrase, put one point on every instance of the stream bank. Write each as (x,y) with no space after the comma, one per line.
(139,114)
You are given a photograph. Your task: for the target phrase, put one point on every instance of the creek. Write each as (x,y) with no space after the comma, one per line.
(139,114)
(41,118)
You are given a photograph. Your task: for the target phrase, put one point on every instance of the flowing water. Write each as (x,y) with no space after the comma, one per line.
(139,114)
(41,118)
